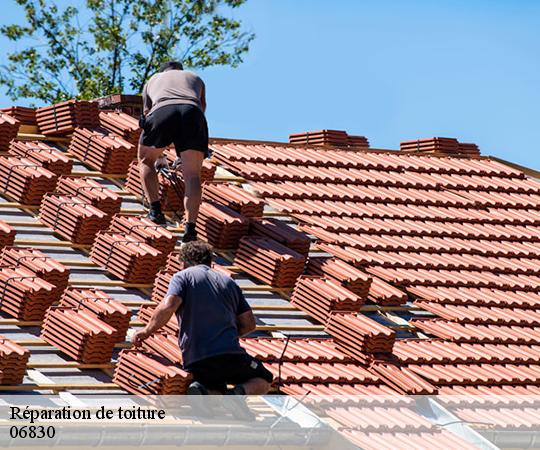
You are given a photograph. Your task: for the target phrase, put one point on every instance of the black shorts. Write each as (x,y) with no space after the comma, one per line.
(182,125)
(218,371)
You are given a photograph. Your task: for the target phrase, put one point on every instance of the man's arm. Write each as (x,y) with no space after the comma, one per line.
(245,323)
(203,98)
(161,316)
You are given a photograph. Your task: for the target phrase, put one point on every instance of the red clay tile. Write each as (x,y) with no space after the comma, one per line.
(269,261)
(80,334)
(72,217)
(321,373)
(145,230)
(24,114)
(145,314)
(40,153)
(25,181)
(108,310)
(104,152)
(63,118)
(235,198)
(143,373)
(129,258)
(91,192)
(121,124)
(9,127)
(403,379)
(13,361)
(358,335)
(352,278)
(7,234)
(221,226)
(281,232)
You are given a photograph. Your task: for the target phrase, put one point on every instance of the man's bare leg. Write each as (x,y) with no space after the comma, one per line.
(191,171)
(256,386)
(149,179)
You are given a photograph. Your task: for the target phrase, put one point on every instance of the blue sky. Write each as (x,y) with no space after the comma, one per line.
(389,70)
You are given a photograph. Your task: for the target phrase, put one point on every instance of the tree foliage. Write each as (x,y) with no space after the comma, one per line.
(112,46)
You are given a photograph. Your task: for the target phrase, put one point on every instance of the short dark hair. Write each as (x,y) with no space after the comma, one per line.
(171,65)
(196,252)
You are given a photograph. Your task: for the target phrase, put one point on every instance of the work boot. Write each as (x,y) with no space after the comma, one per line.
(200,406)
(235,402)
(155,214)
(190,234)
(157,217)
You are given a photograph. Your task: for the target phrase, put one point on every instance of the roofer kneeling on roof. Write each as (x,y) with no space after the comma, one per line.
(212,313)
(174,103)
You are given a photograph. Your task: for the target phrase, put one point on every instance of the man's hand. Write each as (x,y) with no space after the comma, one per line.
(139,337)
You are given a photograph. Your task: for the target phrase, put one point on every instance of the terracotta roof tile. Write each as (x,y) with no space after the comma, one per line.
(107,153)
(145,314)
(24,114)
(7,234)
(64,117)
(127,257)
(92,192)
(319,297)
(269,261)
(9,127)
(38,263)
(121,124)
(13,361)
(24,295)
(221,226)
(40,153)
(146,374)
(80,334)
(321,373)
(24,180)
(359,336)
(108,310)
(235,198)
(72,217)
(279,231)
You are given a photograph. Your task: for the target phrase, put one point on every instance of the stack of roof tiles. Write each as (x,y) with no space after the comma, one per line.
(161,284)
(358,335)
(24,114)
(145,314)
(13,361)
(104,152)
(72,218)
(9,127)
(121,124)
(25,181)
(129,258)
(40,153)
(164,345)
(221,226)
(7,234)
(107,309)
(91,192)
(144,373)
(234,197)
(80,334)
(352,278)
(319,296)
(328,137)
(24,295)
(63,118)
(448,146)
(39,263)
(208,169)
(269,261)
(171,198)
(281,232)
(147,231)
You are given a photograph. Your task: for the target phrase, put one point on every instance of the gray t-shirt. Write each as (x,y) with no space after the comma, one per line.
(211,301)
(173,87)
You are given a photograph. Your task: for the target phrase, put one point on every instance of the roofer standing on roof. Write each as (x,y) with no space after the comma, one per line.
(174,103)
(212,313)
